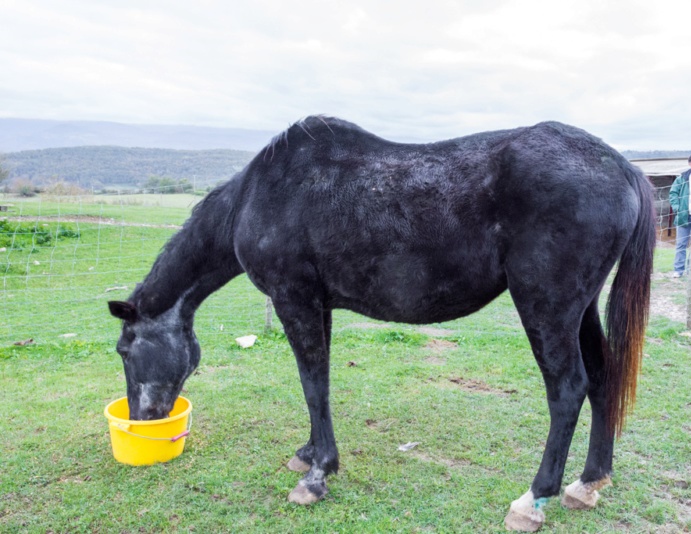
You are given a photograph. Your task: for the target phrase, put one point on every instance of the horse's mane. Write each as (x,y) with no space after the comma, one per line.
(314,127)
(182,256)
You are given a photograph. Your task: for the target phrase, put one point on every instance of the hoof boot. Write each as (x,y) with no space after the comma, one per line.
(524,520)
(579,496)
(525,514)
(303,496)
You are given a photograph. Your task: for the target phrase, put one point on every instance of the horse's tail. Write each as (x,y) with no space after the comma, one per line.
(627,309)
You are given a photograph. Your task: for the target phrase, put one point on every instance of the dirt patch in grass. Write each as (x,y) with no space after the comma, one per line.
(435,332)
(440,345)
(664,298)
(368,326)
(675,491)
(447,462)
(380,426)
(478,386)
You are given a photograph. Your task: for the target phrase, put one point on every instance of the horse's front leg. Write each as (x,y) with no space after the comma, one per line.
(308,331)
(302,461)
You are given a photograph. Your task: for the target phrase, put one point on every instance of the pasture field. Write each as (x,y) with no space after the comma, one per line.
(151,209)
(469,392)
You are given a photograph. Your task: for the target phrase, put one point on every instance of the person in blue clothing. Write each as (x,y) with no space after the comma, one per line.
(679,200)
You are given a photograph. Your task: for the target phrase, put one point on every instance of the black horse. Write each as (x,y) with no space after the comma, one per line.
(330,216)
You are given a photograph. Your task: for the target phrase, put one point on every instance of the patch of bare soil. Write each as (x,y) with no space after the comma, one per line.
(437,346)
(662,298)
(674,491)
(478,386)
(440,345)
(368,326)
(380,426)
(447,462)
(435,332)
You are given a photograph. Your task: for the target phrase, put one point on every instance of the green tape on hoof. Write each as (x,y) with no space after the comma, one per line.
(540,503)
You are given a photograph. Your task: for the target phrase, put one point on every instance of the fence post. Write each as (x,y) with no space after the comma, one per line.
(268,320)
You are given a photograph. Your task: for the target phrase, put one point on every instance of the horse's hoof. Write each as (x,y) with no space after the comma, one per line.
(297,465)
(524,515)
(579,496)
(303,496)
(524,521)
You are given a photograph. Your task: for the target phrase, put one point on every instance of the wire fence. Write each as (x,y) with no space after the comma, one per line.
(63,257)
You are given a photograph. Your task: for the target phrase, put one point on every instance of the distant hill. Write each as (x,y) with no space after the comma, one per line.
(33,134)
(102,166)
(655,154)
(103,154)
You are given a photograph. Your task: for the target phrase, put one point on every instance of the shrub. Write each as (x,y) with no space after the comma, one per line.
(64,189)
(19,236)
(24,188)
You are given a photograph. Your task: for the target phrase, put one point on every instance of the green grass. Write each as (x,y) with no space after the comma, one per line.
(69,280)
(469,392)
(145,209)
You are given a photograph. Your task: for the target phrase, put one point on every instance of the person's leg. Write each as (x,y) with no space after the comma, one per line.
(683,233)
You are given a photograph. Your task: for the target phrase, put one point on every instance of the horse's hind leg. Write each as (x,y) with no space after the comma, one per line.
(551,319)
(307,327)
(583,493)
(302,461)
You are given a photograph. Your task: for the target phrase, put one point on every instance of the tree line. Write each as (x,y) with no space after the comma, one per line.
(150,169)
(98,168)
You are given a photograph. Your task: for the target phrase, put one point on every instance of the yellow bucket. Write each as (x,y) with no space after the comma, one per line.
(147,442)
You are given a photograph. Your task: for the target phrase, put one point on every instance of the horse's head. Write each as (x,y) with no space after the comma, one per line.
(158,354)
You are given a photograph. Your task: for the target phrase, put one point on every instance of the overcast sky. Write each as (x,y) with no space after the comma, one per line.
(405,69)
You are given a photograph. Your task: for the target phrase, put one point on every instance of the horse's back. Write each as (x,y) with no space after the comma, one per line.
(420,232)
(556,177)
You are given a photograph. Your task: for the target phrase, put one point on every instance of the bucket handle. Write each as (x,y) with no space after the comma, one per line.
(182,435)
(124,428)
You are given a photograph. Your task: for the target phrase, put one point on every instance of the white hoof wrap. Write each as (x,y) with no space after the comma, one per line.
(302,496)
(579,496)
(526,514)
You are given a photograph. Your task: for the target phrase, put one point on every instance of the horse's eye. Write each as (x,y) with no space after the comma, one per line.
(122,351)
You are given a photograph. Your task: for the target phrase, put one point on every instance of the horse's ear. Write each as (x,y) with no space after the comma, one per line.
(123,310)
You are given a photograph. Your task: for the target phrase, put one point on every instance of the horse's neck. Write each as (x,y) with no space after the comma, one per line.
(197,260)
(187,271)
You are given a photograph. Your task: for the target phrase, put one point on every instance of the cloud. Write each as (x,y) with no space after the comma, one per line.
(406,70)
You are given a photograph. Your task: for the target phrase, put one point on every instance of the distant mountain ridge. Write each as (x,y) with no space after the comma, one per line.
(105,154)
(35,134)
(97,167)
(655,154)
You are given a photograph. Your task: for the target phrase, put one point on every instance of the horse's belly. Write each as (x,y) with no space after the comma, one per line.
(413,295)
(414,312)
